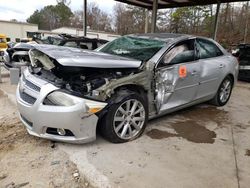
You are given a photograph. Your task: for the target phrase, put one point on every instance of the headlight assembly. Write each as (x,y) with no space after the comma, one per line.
(59,98)
(62,99)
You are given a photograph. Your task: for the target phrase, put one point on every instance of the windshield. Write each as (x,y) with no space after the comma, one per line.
(132,47)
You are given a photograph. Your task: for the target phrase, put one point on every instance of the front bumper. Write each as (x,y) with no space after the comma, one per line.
(39,118)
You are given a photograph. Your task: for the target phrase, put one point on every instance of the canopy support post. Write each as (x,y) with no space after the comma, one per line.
(246,25)
(216,20)
(85,18)
(154,16)
(146,20)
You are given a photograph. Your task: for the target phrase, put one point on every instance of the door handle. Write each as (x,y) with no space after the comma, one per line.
(221,66)
(194,73)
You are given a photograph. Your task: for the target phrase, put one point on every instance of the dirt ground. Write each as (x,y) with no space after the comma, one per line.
(27,161)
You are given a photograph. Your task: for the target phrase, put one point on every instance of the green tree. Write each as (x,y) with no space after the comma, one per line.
(51,16)
(36,18)
(63,14)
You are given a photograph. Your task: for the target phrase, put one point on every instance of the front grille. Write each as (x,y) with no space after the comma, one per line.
(28,90)
(31,85)
(27,98)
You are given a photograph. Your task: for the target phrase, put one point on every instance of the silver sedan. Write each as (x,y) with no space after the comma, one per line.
(66,93)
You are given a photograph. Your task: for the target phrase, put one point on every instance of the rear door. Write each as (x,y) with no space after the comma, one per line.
(177,76)
(212,65)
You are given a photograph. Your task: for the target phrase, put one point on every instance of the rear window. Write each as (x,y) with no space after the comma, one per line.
(208,49)
(132,47)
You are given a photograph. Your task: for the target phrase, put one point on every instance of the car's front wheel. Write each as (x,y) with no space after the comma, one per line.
(126,119)
(224,92)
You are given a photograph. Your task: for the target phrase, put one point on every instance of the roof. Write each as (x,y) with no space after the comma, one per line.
(14,22)
(174,3)
(81,29)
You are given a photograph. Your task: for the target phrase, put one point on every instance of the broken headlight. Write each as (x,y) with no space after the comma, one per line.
(59,98)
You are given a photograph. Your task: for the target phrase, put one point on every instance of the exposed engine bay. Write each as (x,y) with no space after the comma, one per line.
(79,81)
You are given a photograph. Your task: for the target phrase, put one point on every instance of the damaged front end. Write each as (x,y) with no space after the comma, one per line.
(62,102)
(89,81)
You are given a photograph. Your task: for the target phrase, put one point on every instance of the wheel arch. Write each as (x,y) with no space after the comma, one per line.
(132,87)
(231,76)
(123,90)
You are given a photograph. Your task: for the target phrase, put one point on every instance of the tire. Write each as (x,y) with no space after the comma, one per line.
(118,124)
(225,90)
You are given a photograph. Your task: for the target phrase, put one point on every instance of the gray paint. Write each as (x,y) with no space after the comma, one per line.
(85,58)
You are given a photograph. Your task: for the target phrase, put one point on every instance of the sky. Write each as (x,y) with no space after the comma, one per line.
(22,9)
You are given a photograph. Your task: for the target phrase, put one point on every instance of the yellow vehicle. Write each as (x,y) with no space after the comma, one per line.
(3,42)
(3,46)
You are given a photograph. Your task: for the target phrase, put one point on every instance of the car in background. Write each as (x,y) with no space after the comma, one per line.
(18,56)
(53,39)
(243,54)
(83,42)
(71,41)
(67,93)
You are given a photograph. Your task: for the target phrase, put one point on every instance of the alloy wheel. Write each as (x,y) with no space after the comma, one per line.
(225,90)
(129,119)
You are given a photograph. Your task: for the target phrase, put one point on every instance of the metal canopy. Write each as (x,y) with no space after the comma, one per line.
(174,3)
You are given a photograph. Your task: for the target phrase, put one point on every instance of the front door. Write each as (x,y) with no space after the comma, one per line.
(177,76)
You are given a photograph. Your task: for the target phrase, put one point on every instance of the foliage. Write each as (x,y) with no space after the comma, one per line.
(51,17)
(97,19)
(129,19)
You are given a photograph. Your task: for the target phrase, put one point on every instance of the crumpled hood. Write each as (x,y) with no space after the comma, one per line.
(67,56)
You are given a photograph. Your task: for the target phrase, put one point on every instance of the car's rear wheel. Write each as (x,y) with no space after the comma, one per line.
(224,92)
(125,120)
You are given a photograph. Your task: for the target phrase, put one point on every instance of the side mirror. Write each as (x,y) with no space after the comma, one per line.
(236,53)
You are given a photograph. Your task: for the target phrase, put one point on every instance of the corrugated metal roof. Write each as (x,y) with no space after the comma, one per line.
(174,3)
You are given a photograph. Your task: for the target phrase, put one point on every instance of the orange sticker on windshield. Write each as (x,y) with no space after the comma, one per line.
(182,71)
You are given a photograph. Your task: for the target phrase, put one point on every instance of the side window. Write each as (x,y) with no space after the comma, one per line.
(208,49)
(180,53)
(86,45)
